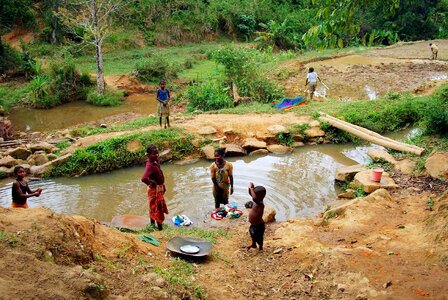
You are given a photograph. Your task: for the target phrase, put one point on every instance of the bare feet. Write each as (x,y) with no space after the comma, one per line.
(251,246)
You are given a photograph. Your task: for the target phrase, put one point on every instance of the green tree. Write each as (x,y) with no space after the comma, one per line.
(94,17)
(337,20)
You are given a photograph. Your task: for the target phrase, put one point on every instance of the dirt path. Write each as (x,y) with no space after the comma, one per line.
(378,250)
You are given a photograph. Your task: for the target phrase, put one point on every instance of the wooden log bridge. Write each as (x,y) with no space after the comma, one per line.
(369,135)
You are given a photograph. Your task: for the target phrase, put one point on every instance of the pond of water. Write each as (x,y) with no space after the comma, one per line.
(300,184)
(70,114)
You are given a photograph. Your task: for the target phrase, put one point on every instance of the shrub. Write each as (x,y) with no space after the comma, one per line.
(243,69)
(61,83)
(384,115)
(14,62)
(208,96)
(109,98)
(436,113)
(154,69)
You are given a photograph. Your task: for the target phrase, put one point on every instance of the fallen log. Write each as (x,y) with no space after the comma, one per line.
(370,136)
(369,131)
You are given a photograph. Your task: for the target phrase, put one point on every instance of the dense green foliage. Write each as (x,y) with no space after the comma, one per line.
(436,113)
(155,68)
(15,62)
(113,154)
(16,12)
(243,69)
(208,96)
(60,83)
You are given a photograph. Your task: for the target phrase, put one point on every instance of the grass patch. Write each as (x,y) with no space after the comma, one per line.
(180,276)
(135,124)
(209,235)
(108,98)
(112,154)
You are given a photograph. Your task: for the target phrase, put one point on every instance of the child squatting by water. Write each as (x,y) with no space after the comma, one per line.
(257,227)
(20,189)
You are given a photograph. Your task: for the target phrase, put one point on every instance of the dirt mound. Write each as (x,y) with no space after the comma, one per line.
(438,223)
(127,83)
(51,256)
(18,35)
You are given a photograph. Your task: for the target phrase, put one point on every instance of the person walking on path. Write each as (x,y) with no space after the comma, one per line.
(155,181)
(163,106)
(221,172)
(311,79)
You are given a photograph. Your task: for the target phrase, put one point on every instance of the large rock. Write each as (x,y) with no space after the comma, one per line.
(251,144)
(314,132)
(269,214)
(276,129)
(279,149)
(19,153)
(41,170)
(380,155)
(259,152)
(266,136)
(347,173)
(405,166)
(234,150)
(43,146)
(37,159)
(437,165)
(363,178)
(165,155)
(208,152)
(130,222)
(207,130)
(8,161)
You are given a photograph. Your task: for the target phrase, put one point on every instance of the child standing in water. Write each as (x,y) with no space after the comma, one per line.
(154,179)
(20,189)
(221,172)
(257,226)
(163,107)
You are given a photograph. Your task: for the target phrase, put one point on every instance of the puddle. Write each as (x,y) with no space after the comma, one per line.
(439,77)
(70,114)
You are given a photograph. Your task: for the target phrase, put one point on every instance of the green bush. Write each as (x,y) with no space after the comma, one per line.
(112,154)
(14,62)
(61,83)
(436,113)
(208,96)
(155,68)
(243,69)
(109,98)
(384,115)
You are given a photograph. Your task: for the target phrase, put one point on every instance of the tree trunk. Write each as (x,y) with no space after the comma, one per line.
(100,86)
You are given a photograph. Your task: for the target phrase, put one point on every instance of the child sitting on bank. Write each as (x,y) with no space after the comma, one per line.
(20,189)
(257,226)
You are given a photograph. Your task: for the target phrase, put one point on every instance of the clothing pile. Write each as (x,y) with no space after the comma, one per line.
(182,220)
(227,211)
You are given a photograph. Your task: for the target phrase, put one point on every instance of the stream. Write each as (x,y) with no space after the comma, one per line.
(298,185)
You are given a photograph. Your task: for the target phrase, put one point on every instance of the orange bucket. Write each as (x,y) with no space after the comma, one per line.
(376,174)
